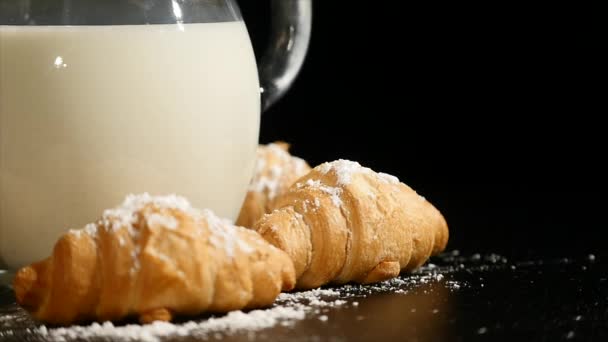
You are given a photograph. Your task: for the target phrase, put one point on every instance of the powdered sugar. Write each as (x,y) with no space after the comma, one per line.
(309,205)
(7,318)
(333,192)
(224,234)
(344,169)
(159,220)
(275,171)
(125,214)
(278,151)
(90,229)
(266,185)
(231,323)
(305,205)
(136,265)
(390,179)
(300,166)
(306,295)
(269,179)
(76,232)
(289,309)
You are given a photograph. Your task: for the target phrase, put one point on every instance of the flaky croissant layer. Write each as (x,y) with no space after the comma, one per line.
(343,222)
(153,257)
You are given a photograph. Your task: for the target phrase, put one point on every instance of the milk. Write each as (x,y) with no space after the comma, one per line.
(89,114)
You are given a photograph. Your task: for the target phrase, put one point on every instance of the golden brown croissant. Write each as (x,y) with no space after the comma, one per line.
(343,222)
(153,257)
(275,172)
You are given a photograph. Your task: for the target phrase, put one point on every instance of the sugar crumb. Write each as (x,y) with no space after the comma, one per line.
(390,179)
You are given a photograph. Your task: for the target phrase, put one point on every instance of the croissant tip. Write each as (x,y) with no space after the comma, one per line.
(288,285)
(24,282)
(160,314)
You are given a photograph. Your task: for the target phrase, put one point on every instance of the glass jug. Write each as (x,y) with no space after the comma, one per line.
(102,98)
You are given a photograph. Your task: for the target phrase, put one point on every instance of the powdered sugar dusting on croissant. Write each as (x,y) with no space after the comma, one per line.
(224,234)
(390,179)
(345,169)
(334,192)
(168,222)
(124,216)
(270,178)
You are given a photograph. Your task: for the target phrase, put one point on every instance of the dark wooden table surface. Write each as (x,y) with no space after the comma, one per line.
(457,298)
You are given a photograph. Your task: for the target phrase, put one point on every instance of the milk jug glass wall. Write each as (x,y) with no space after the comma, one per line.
(99,99)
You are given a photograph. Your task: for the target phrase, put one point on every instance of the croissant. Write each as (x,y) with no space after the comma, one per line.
(153,257)
(275,171)
(345,223)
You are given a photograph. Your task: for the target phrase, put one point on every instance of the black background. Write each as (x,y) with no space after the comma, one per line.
(491,113)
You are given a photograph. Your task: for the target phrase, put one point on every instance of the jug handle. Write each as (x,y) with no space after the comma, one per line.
(290,35)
